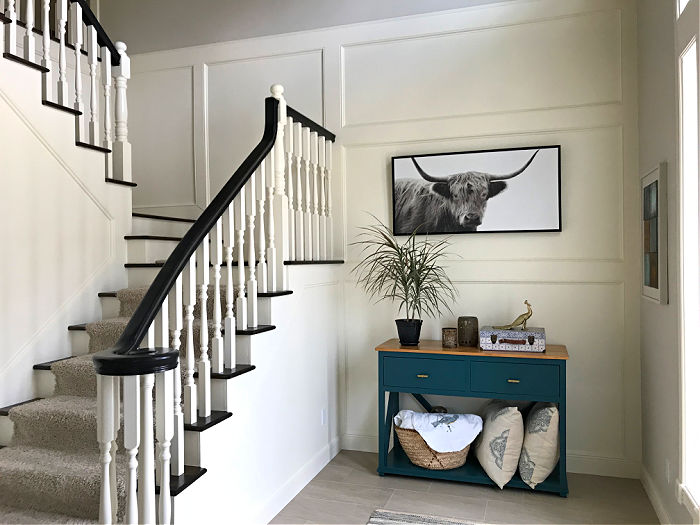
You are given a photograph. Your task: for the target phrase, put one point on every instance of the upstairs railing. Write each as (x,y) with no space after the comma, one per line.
(275,208)
(73,26)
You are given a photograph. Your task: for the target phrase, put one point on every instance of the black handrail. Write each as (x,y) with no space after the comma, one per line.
(103,39)
(125,358)
(308,123)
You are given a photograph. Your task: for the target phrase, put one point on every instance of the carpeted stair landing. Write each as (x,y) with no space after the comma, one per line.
(51,471)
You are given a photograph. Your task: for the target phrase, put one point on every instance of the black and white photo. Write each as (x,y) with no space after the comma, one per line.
(505,190)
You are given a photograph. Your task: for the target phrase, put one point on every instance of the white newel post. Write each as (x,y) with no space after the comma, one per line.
(229,320)
(217,342)
(190,389)
(241,303)
(306,147)
(203,365)
(62,21)
(105,435)
(11,31)
(280,203)
(289,151)
(252,284)
(322,190)
(93,52)
(298,210)
(146,482)
(177,463)
(164,435)
(76,20)
(121,150)
(132,432)
(29,42)
(329,199)
(46,78)
(107,84)
(262,240)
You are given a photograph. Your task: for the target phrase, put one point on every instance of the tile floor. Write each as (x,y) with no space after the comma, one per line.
(348,489)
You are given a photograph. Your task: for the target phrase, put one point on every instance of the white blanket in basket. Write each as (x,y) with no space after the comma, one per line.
(442,432)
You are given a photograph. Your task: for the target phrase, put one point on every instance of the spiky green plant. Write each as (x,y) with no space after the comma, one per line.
(408,273)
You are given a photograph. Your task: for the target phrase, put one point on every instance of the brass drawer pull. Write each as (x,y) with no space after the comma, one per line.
(514,380)
(422,376)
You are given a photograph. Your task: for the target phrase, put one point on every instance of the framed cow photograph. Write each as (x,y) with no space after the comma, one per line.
(503,190)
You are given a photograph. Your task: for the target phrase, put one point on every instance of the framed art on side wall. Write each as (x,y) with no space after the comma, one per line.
(502,190)
(654,235)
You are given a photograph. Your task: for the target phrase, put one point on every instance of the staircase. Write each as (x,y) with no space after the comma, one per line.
(101,447)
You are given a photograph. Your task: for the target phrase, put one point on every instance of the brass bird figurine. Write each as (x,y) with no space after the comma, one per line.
(520,320)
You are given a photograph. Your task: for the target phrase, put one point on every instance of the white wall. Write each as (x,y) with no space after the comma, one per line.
(660,345)
(513,74)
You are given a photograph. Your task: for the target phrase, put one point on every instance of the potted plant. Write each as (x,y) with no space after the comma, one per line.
(407,273)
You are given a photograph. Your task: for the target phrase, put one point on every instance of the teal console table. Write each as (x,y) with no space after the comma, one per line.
(468,372)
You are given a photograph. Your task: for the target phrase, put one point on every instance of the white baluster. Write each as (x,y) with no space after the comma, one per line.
(281,202)
(203,365)
(298,213)
(93,52)
(62,18)
(177,463)
(262,262)
(46,78)
(164,435)
(322,191)
(217,343)
(132,425)
(229,320)
(76,19)
(105,435)
(308,239)
(29,43)
(121,149)
(113,449)
(151,336)
(147,485)
(269,187)
(107,80)
(241,302)
(11,31)
(314,215)
(289,150)
(329,200)
(190,389)
(252,285)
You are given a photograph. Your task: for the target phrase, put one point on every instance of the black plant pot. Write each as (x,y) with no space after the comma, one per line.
(409,331)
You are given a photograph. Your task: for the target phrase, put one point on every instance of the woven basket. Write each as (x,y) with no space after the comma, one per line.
(422,455)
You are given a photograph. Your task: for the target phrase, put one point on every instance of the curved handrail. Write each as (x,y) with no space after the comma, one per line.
(125,358)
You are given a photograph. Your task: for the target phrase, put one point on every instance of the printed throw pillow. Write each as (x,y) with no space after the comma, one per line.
(540,452)
(498,448)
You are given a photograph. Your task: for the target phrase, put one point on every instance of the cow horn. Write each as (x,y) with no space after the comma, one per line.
(515,173)
(423,174)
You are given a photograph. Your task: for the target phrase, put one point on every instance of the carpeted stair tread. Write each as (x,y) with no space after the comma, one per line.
(130,298)
(58,422)
(75,376)
(54,481)
(15,516)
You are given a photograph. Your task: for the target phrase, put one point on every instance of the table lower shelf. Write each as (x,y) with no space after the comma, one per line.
(398,463)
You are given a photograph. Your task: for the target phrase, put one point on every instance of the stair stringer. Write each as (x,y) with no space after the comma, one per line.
(62,232)
(277,439)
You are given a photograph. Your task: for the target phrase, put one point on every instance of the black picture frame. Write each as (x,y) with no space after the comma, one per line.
(402,230)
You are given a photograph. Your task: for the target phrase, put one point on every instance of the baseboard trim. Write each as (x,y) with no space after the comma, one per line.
(275,503)
(654,497)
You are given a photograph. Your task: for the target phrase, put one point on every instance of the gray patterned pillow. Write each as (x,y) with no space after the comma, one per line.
(498,448)
(540,452)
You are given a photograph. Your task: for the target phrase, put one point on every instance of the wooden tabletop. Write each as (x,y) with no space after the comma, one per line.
(428,346)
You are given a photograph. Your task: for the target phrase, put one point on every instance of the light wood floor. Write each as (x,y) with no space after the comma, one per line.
(348,489)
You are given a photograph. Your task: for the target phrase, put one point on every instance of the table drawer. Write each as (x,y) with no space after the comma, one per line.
(506,379)
(438,374)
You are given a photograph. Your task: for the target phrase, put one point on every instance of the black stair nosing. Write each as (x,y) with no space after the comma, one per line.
(121,182)
(161,217)
(61,107)
(151,238)
(261,328)
(230,373)
(47,364)
(24,61)
(203,423)
(78,327)
(180,483)
(5,411)
(301,263)
(107,294)
(160,264)
(275,294)
(93,147)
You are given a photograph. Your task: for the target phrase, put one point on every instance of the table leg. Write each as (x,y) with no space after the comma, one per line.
(563,483)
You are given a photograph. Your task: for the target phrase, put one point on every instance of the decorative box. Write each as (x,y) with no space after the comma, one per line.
(530,340)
